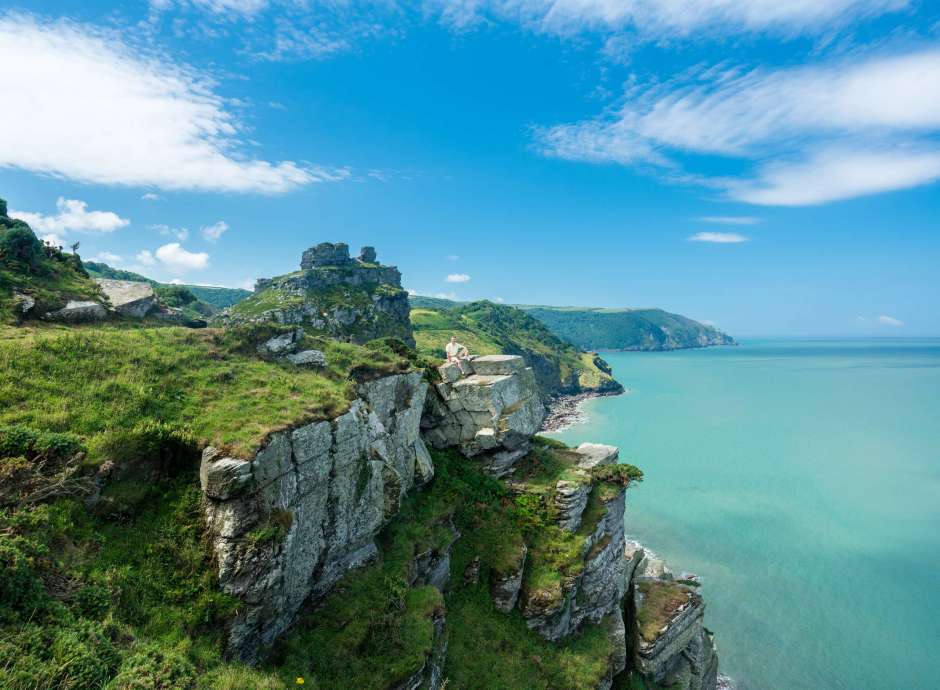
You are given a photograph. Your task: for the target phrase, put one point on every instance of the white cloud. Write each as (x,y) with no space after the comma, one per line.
(452,257)
(834,175)
(108,258)
(498,300)
(150,196)
(889,320)
(176,281)
(173,256)
(869,122)
(72,215)
(146,258)
(246,7)
(457,278)
(182,234)
(718,237)
(163,125)
(53,239)
(212,233)
(446,295)
(663,18)
(729,220)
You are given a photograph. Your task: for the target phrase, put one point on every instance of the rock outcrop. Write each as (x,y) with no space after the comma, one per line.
(129,298)
(287,524)
(79,311)
(489,407)
(335,295)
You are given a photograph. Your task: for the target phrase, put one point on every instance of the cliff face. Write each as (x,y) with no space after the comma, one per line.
(351,299)
(306,511)
(289,523)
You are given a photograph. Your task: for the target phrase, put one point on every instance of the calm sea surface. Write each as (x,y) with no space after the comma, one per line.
(801,480)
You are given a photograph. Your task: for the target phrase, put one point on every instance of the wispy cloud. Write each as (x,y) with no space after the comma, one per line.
(457,278)
(889,320)
(452,257)
(150,196)
(718,237)
(816,134)
(108,258)
(729,220)
(212,233)
(666,18)
(164,126)
(72,215)
(182,234)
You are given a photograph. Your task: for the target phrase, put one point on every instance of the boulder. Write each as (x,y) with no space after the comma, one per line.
(129,298)
(282,344)
(595,454)
(308,358)
(77,311)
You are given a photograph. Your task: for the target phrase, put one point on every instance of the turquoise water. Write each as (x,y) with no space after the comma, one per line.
(801,480)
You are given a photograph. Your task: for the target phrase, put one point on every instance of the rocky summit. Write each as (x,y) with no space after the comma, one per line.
(333,294)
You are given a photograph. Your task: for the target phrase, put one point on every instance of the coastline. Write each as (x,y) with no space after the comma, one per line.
(566,409)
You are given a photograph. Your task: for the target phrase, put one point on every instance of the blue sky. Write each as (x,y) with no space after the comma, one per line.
(769,166)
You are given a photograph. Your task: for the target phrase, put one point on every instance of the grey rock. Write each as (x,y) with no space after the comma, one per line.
(488,416)
(432,567)
(367,255)
(338,480)
(77,311)
(23,303)
(571,498)
(505,587)
(282,344)
(595,454)
(222,477)
(326,254)
(129,298)
(307,358)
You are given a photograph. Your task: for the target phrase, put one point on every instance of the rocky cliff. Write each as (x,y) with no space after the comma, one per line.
(308,510)
(288,523)
(355,299)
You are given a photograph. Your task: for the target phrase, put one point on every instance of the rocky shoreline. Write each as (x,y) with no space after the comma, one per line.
(565,410)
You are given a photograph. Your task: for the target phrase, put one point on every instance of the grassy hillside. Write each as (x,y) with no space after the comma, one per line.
(40,271)
(627,329)
(216,298)
(487,328)
(124,594)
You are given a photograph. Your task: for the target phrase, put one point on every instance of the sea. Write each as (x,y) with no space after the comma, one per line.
(800,479)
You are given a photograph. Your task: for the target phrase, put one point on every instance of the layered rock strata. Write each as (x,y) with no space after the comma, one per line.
(288,523)
(488,407)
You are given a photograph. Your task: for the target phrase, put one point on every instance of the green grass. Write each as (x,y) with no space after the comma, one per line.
(104,383)
(661,601)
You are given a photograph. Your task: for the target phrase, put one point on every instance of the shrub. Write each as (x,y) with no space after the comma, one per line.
(21,590)
(20,249)
(150,667)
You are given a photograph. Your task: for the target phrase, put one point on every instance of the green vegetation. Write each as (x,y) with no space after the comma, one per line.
(43,272)
(661,600)
(205,300)
(487,328)
(626,329)
(118,387)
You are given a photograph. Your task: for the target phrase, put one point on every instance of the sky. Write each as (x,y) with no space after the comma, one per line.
(769,166)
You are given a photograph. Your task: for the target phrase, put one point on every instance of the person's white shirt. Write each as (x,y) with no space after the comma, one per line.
(453,349)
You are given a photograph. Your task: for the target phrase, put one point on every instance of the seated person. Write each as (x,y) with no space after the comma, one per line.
(456,353)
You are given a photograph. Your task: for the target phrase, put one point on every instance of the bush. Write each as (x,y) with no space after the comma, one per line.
(175,295)
(20,249)
(21,590)
(150,667)
(23,441)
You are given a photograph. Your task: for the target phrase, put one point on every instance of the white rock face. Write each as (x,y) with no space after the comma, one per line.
(128,297)
(77,311)
(490,411)
(330,486)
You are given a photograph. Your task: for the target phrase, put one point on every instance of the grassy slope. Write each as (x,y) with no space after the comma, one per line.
(625,329)
(487,328)
(127,591)
(52,278)
(100,382)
